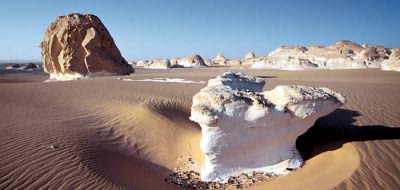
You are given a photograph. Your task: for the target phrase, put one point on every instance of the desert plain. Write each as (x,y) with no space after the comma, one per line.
(118,132)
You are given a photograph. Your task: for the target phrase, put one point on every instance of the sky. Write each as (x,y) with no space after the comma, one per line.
(149,29)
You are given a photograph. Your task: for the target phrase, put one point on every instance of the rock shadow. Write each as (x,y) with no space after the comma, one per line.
(265,76)
(332,131)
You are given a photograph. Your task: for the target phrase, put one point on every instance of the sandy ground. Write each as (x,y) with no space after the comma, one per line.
(105,133)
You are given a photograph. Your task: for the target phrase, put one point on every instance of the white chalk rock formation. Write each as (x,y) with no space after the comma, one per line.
(22,67)
(233,62)
(77,45)
(249,59)
(393,63)
(220,60)
(194,60)
(341,55)
(173,62)
(245,129)
(132,63)
(208,62)
(157,64)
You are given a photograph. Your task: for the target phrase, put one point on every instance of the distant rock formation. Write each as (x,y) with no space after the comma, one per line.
(194,60)
(220,60)
(249,59)
(154,64)
(341,55)
(233,62)
(78,45)
(246,130)
(159,64)
(22,67)
(393,62)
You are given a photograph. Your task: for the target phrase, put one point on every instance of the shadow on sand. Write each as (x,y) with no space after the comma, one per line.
(332,131)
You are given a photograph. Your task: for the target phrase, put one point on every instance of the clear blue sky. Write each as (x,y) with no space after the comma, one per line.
(167,28)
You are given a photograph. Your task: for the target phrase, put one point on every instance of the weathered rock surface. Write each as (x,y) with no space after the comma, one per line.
(249,59)
(246,130)
(393,63)
(220,60)
(78,45)
(154,64)
(341,55)
(233,62)
(194,60)
(22,67)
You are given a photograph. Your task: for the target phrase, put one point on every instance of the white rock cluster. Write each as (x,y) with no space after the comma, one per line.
(245,129)
(341,55)
(194,61)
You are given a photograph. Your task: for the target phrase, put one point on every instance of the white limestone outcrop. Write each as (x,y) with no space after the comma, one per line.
(341,55)
(158,64)
(220,60)
(195,61)
(393,63)
(245,129)
(249,59)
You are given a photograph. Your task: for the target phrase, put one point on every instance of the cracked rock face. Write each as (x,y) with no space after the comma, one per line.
(77,45)
(247,130)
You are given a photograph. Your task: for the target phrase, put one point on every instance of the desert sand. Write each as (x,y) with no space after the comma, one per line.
(107,133)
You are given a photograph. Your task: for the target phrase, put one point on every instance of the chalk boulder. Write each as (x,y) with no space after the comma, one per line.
(194,60)
(79,45)
(245,129)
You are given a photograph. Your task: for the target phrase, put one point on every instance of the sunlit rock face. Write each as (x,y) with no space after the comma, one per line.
(77,45)
(341,55)
(393,63)
(233,62)
(249,59)
(220,60)
(246,129)
(194,61)
(154,64)
(160,64)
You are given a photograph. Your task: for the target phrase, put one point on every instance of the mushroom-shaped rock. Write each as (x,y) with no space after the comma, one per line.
(78,45)
(246,130)
(191,61)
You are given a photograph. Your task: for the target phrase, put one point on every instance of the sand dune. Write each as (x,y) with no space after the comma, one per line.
(105,133)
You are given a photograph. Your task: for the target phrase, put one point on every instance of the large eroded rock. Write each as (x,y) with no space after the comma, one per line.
(245,129)
(78,45)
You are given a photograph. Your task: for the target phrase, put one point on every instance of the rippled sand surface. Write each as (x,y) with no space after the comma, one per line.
(107,133)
